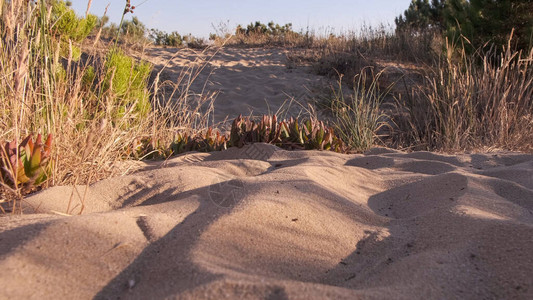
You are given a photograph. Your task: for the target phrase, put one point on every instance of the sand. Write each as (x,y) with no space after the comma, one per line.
(246,81)
(264,223)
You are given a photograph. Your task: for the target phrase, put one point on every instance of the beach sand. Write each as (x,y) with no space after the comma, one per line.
(264,223)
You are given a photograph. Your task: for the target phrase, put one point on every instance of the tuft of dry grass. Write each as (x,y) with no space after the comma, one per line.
(474,103)
(358,119)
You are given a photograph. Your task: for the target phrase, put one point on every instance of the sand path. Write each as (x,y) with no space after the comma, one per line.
(248,81)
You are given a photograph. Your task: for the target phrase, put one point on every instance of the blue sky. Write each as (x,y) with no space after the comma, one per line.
(198,16)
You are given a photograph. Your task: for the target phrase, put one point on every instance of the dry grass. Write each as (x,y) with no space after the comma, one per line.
(90,138)
(471,104)
(264,40)
(358,119)
(464,102)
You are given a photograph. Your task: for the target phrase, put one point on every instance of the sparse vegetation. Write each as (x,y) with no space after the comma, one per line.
(358,119)
(261,35)
(98,109)
(464,106)
(291,134)
(478,92)
(162,38)
(101,108)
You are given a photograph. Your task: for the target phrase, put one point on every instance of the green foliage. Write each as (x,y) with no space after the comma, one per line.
(473,24)
(488,21)
(291,134)
(134,29)
(102,21)
(194,42)
(270,29)
(127,81)
(421,15)
(89,76)
(358,119)
(69,26)
(268,130)
(209,141)
(162,38)
(110,31)
(27,165)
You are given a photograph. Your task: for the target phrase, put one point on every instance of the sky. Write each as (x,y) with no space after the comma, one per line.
(202,17)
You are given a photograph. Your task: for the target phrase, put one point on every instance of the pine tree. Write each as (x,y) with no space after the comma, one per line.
(474,23)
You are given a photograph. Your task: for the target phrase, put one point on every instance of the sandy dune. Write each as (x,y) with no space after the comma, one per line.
(263,223)
(248,81)
(260,222)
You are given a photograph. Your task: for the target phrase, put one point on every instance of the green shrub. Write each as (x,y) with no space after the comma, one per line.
(195,42)
(162,38)
(68,27)
(127,81)
(89,76)
(134,30)
(270,29)
(174,39)
(472,24)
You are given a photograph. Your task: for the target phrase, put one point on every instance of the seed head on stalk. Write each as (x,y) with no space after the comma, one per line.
(127,9)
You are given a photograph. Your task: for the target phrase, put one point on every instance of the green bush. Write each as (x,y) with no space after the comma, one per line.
(134,30)
(127,80)
(270,29)
(162,38)
(474,23)
(68,27)
(194,42)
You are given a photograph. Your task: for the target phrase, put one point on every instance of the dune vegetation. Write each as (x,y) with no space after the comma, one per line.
(78,100)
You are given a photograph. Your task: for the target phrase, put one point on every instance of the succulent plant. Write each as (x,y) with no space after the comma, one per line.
(245,131)
(179,145)
(209,141)
(27,165)
(148,147)
(290,135)
(320,137)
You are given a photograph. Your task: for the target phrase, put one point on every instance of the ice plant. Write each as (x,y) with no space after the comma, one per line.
(291,134)
(209,141)
(27,165)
